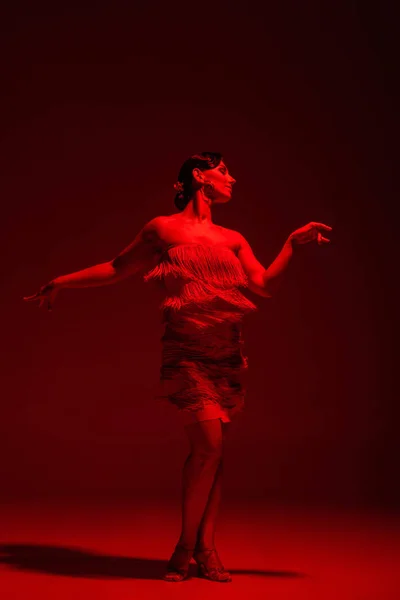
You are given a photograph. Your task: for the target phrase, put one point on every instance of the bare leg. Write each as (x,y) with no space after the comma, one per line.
(206,532)
(199,472)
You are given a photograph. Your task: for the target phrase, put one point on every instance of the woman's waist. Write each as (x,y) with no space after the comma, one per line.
(195,325)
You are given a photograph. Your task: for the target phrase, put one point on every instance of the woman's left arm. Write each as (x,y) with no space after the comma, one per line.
(304,235)
(265,282)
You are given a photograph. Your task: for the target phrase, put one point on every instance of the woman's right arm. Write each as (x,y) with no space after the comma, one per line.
(139,256)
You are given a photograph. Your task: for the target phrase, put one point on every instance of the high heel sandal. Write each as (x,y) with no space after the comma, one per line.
(209,565)
(178,564)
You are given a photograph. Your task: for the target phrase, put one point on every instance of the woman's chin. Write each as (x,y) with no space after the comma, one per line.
(224,198)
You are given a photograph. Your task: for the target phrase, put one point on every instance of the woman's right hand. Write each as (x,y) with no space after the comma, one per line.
(46,294)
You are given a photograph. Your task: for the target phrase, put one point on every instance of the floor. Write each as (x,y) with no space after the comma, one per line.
(70,550)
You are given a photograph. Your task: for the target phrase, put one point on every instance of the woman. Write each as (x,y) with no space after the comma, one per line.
(201,266)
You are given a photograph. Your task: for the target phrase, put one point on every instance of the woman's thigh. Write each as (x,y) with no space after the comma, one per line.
(207,437)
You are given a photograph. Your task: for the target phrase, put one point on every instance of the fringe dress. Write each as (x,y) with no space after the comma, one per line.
(203,365)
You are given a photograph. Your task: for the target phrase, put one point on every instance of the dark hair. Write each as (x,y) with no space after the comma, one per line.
(202,161)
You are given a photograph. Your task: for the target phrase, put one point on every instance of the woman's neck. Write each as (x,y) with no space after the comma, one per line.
(198,210)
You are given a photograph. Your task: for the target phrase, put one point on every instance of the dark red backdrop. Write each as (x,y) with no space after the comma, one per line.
(99,108)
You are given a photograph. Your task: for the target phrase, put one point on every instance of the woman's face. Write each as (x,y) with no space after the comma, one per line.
(222,181)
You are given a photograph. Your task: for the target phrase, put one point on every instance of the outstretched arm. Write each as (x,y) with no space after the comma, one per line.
(136,257)
(265,282)
(101,274)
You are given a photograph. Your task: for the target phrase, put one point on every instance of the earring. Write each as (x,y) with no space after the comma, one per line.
(208,186)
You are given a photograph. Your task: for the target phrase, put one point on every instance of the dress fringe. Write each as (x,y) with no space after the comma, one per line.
(203,369)
(202,359)
(209,272)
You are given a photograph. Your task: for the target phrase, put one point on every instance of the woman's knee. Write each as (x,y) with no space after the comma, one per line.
(211,458)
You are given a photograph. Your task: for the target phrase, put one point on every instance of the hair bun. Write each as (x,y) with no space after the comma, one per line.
(178,186)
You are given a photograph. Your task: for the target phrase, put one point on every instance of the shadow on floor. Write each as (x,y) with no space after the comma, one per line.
(73,562)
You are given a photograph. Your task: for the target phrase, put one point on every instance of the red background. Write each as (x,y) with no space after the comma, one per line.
(99,108)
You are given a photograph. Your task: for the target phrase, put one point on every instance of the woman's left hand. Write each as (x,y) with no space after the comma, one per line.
(310,233)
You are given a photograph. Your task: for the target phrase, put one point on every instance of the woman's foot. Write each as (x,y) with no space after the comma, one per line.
(178,565)
(210,565)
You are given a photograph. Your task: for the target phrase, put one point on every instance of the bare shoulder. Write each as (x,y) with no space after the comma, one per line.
(156,224)
(154,230)
(233,234)
(235,238)
(168,227)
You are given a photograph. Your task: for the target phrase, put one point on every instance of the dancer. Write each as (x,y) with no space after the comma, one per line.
(201,267)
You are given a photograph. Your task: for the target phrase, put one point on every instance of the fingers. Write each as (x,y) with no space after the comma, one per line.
(42,300)
(323,240)
(321,226)
(31,298)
